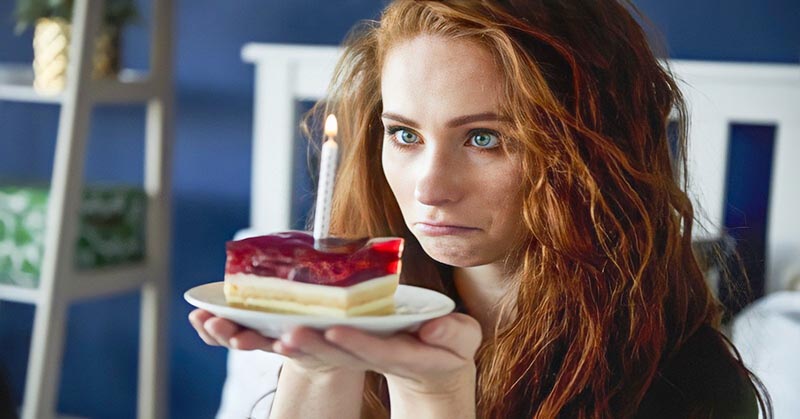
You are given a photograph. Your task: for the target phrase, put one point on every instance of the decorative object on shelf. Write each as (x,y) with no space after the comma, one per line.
(111,230)
(51,40)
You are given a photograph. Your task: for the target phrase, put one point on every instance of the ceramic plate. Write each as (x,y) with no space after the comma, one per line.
(414,305)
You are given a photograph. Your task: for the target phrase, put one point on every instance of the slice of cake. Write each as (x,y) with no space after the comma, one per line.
(284,273)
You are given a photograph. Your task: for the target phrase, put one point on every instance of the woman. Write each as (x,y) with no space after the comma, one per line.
(521,149)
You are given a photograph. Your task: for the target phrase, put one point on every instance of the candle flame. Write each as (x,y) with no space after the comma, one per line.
(331,127)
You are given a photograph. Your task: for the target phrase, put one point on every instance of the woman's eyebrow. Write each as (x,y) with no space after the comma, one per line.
(455,122)
(478,117)
(399,118)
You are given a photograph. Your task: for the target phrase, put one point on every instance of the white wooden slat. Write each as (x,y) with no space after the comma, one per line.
(272,154)
(783,246)
(313,75)
(19,294)
(734,73)
(284,74)
(110,280)
(44,367)
(130,87)
(16,84)
(152,386)
(708,137)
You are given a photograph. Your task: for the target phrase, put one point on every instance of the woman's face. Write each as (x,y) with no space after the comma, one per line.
(457,188)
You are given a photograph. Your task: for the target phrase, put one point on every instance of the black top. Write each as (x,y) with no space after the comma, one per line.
(701,380)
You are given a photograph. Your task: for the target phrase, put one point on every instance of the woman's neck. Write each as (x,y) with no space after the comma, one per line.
(481,289)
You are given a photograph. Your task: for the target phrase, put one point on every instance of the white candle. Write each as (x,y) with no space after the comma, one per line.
(327,174)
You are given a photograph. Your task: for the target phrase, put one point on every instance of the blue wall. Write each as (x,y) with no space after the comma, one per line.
(212,167)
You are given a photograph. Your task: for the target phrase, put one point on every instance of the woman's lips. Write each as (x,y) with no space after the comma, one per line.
(443,230)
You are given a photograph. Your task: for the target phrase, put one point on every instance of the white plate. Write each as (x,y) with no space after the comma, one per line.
(414,305)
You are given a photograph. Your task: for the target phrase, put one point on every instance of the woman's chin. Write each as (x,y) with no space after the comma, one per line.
(459,255)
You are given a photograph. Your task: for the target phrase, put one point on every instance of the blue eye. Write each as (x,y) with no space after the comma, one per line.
(484,139)
(406,137)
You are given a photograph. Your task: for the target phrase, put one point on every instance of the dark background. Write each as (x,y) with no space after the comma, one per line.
(211,172)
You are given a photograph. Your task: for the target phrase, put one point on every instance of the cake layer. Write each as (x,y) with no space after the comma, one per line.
(276,294)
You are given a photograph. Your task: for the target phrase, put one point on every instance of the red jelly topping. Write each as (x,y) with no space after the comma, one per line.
(291,255)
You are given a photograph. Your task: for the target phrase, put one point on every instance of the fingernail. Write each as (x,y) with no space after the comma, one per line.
(437,332)
(282,348)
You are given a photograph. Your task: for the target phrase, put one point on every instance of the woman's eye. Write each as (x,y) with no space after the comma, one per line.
(484,139)
(406,137)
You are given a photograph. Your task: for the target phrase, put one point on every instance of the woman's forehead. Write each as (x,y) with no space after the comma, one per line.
(430,73)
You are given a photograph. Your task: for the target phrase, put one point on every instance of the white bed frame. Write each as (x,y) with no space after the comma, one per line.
(718,94)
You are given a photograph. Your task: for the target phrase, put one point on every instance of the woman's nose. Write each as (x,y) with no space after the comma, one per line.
(438,180)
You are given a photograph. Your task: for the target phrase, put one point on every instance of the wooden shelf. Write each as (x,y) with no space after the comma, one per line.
(87,284)
(16,84)
(19,294)
(107,281)
(131,86)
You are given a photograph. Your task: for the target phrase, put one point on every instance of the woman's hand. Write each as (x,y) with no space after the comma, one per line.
(305,384)
(217,331)
(438,359)
(435,359)
(430,373)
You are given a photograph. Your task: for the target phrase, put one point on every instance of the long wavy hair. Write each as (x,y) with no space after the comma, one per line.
(606,281)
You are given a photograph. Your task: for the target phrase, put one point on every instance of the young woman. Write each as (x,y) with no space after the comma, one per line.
(521,149)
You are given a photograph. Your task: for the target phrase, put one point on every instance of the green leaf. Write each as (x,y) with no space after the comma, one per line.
(117,14)
(30,268)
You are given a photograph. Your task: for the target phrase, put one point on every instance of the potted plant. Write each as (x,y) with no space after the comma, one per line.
(51,21)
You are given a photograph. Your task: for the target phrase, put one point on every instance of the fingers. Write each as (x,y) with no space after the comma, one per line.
(198,318)
(221,330)
(217,331)
(442,354)
(456,332)
(249,340)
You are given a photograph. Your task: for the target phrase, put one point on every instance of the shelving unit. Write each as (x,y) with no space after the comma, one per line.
(61,283)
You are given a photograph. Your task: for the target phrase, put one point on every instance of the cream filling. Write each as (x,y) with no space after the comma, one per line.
(381,306)
(276,294)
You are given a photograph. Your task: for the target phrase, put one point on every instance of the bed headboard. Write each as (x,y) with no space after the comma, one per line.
(727,103)
(722,97)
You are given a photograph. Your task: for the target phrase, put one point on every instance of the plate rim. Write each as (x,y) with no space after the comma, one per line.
(353,320)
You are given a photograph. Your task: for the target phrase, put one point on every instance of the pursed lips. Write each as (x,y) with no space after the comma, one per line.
(442,229)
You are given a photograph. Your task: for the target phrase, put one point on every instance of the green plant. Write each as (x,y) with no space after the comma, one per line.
(117,13)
